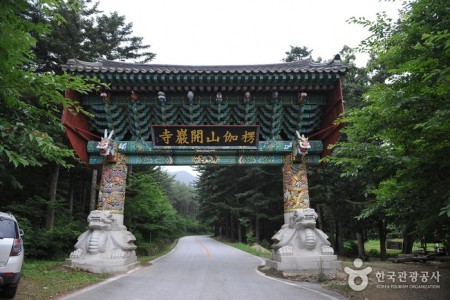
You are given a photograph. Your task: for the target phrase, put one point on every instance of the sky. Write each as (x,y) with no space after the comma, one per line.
(242,32)
(218,32)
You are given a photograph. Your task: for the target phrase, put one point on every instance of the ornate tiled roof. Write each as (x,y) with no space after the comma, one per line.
(108,66)
(283,98)
(294,76)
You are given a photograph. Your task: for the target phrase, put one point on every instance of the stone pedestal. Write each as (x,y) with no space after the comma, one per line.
(326,265)
(102,265)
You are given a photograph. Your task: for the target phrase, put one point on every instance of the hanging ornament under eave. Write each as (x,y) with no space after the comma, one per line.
(190,96)
(247,97)
(302,97)
(219,97)
(134,95)
(161,97)
(105,96)
(274,98)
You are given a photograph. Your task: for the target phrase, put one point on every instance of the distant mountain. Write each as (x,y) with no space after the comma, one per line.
(184,177)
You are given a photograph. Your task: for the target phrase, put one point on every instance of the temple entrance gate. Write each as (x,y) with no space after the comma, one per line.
(279,114)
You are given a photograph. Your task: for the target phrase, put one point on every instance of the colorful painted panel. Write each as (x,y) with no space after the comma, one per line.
(111,196)
(295,186)
(205,158)
(142,147)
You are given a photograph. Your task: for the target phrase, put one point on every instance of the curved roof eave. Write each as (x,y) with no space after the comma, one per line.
(109,66)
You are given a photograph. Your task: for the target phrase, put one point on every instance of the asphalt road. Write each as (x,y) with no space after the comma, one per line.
(202,268)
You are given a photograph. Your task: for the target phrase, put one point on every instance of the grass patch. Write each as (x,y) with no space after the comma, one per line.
(43,279)
(162,251)
(46,279)
(372,248)
(257,251)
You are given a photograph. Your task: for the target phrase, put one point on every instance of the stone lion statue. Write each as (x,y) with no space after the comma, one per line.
(301,237)
(105,238)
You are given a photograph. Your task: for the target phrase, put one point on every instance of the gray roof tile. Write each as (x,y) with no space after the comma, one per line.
(108,66)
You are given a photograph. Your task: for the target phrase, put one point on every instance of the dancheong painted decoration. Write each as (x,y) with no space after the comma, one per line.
(279,99)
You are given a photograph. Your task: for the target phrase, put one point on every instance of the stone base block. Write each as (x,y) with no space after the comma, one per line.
(95,265)
(305,265)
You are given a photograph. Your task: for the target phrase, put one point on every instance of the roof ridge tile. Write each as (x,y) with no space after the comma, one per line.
(306,65)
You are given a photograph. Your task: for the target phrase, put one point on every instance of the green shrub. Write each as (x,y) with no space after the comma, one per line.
(266,244)
(373,253)
(350,248)
(53,244)
(250,237)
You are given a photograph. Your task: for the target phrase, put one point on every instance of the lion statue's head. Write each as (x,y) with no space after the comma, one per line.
(304,218)
(100,220)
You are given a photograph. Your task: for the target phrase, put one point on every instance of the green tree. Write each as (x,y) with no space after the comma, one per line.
(148,212)
(72,29)
(86,34)
(184,199)
(297,53)
(30,102)
(402,135)
(356,81)
(235,208)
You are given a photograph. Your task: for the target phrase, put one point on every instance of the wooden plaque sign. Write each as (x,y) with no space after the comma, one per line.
(205,136)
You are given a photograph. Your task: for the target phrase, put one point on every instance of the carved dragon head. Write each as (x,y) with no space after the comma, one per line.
(301,145)
(100,220)
(304,218)
(107,144)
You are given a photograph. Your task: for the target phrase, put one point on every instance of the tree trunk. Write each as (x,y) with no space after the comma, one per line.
(336,236)
(93,190)
(257,230)
(231,227)
(382,232)
(408,240)
(227,228)
(82,207)
(319,217)
(71,202)
(339,238)
(360,239)
(239,233)
(50,218)
(216,230)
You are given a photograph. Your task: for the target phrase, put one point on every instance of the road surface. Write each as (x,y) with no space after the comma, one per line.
(202,268)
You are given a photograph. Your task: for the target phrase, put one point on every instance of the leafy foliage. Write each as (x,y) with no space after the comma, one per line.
(297,53)
(150,209)
(30,102)
(85,34)
(249,206)
(36,36)
(400,139)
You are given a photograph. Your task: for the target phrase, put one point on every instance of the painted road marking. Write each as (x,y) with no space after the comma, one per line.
(204,247)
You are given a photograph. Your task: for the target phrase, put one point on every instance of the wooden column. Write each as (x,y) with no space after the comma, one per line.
(295,185)
(111,196)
